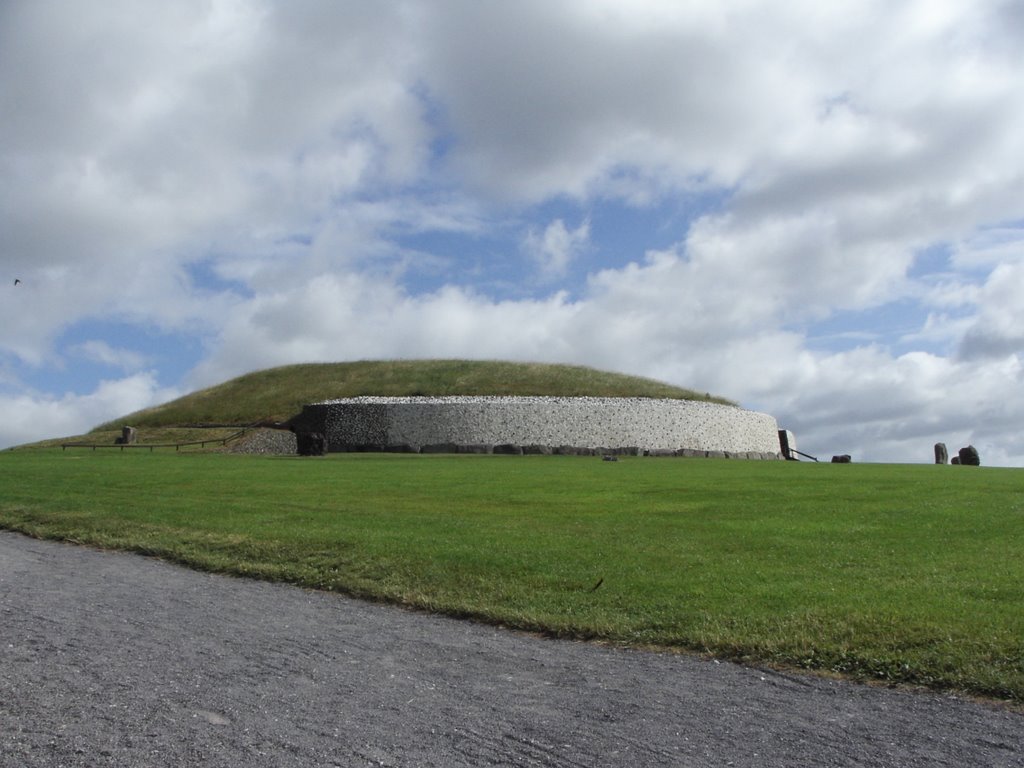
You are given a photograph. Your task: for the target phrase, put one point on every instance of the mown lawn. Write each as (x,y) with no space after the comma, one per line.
(903,573)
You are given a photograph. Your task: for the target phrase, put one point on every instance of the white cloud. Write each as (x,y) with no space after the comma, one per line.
(555,249)
(146,134)
(99,351)
(360,317)
(997,331)
(989,247)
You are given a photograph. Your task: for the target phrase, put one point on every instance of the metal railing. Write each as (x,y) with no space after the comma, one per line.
(805,455)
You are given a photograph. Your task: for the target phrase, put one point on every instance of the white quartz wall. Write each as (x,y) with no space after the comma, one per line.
(649,425)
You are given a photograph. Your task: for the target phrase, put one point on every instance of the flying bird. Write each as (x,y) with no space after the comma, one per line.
(16,281)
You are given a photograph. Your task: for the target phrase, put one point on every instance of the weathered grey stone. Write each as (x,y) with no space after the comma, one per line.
(537,450)
(475,448)
(716,454)
(569,450)
(439,448)
(843,459)
(969,456)
(508,449)
(623,450)
(955,460)
(941,454)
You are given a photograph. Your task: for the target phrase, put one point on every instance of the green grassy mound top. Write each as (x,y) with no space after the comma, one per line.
(277,394)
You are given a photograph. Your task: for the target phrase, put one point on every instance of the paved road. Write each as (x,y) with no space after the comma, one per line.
(119,660)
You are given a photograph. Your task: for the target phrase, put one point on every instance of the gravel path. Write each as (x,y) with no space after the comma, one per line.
(114,659)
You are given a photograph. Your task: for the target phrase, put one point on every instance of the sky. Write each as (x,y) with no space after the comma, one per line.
(814,209)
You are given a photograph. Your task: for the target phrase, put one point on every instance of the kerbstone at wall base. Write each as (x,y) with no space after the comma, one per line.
(630,426)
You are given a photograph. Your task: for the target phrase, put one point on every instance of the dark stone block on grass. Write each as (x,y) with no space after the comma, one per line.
(310,443)
(693,453)
(439,448)
(537,450)
(941,454)
(475,449)
(572,450)
(969,456)
(402,448)
(621,450)
(509,449)
(842,459)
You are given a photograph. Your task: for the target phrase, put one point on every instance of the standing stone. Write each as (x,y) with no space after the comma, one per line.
(969,456)
(128,436)
(787,444)
(843,459)
(941,454)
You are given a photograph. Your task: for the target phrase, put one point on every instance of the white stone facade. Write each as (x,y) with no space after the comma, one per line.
(625,425)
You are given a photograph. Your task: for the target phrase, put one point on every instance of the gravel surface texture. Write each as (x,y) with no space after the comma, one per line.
(265,441)
(120,660)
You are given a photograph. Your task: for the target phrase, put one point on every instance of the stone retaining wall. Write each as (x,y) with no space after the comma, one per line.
(542,425)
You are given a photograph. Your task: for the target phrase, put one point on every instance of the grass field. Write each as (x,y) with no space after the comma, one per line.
(911,573)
